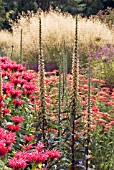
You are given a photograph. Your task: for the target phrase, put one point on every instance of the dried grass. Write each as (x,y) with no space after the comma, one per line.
(56,28)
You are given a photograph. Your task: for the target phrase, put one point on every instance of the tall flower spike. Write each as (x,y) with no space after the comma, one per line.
(75,64)
(42,80)
(65,87)
(0,94)
(75,74)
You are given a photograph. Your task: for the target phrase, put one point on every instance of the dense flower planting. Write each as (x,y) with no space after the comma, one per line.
(20,111)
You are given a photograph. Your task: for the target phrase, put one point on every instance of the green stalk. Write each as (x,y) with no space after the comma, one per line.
(34,167)
(60,96)
(5,161)
(12,51)
(1,94)
(88,115)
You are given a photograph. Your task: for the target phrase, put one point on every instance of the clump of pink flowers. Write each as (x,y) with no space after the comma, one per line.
(35,155)
(7,139)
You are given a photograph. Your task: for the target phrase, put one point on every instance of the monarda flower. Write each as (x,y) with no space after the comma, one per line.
(27,147)
(28,138)
(28,76)
(13,128)
(21,68)
(39,146)
(3,148)
(15,93)
(18,102)
(5,111)
(2,133)
(36,157)
(10,138)
(18,119)
(17,163)
(53,154)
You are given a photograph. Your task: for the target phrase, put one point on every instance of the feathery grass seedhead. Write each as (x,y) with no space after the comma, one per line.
(21,50)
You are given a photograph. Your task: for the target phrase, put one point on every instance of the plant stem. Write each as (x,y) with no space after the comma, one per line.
(0,94)
(88,116)
(34,167)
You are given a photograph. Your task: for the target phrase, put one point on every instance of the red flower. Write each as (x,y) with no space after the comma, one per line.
(14,128)
(1,104)
(18,102)
(28,76)
(18,119)
(27,147)
(48,100)
(11,127)
(21,68)
(10,138)
(5,111)
(28,138)
(39,146)
(37,157)
(17,128)
(1,98)
(53,154)
(17,163)
(15,93)
(3,148)
(2,133)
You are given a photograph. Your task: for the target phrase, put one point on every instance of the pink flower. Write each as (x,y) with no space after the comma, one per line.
(3,148)
(28,138)
(17,163)
(18,119)
(53,154)
(27,147)
(11,127)
(5,111)
(48,100)
(14,128)
(39,146)
(102,121)
(18,102)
